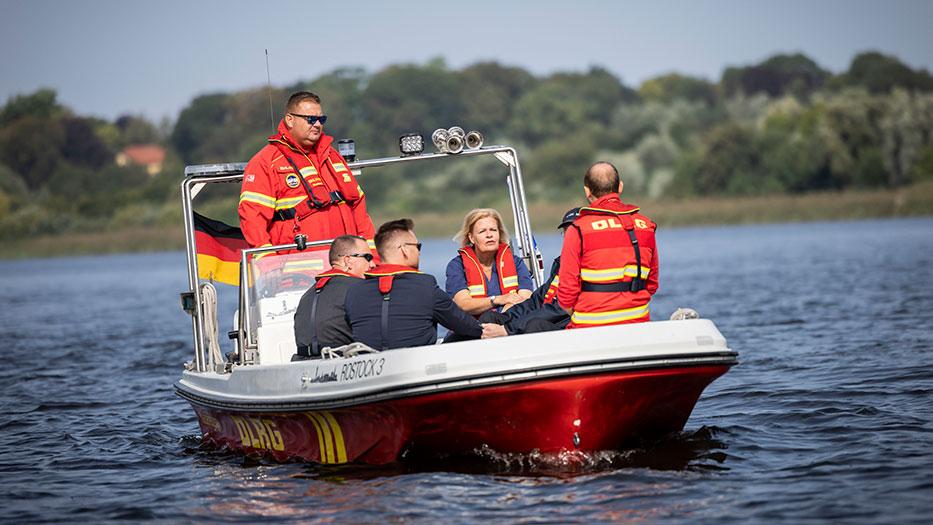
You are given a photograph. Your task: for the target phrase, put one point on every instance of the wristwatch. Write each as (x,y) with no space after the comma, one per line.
(492,300)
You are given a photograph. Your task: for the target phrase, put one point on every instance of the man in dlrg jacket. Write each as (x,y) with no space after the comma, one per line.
(298,183)
(609,260)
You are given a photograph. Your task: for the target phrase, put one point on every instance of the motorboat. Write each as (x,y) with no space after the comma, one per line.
(582,390)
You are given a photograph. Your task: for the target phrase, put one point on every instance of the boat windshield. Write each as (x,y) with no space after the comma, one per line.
(277,283)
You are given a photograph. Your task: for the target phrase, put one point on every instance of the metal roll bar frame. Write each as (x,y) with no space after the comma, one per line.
(197,176)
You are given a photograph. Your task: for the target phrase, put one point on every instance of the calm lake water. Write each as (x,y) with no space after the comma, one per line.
(827,418)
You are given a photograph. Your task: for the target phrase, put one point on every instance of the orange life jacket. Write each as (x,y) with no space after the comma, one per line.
(287,190)
(476,278)
(614,266)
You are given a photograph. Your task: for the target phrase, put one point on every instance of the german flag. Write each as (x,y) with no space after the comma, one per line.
(218,246)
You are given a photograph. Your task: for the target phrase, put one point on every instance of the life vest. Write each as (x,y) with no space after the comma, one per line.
(287,191)
(314,349)
(476,278)
(613,267)
(323,277)
(386,274)
(551,294)
(316,192)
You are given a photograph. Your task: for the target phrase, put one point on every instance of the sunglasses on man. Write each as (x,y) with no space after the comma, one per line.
(311,119)
(415,244)
(367,256)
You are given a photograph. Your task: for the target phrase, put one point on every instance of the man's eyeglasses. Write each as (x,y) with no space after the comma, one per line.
(367,256)
(415,244)
(311,118)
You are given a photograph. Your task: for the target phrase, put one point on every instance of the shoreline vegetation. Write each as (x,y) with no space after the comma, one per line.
(909,201)
(782,140)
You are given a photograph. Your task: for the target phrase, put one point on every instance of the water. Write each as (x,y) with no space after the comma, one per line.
(827,418)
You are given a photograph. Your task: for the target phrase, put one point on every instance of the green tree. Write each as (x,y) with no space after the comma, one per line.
(795,74)
(728,162)
(31,146)
(135,129)
(880,73)
(409,98)
(82,145)
(906,128)
(564,103)
(196,125)
(40,104)
(674,86)
(490,93)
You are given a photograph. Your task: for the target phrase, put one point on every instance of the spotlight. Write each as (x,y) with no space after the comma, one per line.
(474,140)
(411,144)
(455,139)
(347,149)
(448,140)
(439,138)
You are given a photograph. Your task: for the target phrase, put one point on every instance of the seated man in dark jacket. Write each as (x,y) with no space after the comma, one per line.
(320,319)
(399,307)
(540,312)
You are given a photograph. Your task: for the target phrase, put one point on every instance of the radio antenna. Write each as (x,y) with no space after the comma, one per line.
(269,83)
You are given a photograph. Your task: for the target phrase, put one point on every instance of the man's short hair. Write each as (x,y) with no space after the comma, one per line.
(600,181)
(341,246)
(388,232)
(298,97)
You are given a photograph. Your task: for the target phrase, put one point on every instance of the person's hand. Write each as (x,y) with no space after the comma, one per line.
(511,298)
(491,330)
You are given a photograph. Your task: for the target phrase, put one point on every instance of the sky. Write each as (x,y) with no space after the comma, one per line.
(108,58)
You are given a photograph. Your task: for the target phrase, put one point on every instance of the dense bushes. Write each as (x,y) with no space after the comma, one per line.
(784,125)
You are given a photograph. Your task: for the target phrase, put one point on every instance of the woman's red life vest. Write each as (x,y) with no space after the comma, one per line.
(476,278)
(614,266)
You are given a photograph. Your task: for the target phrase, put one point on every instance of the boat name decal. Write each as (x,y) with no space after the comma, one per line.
(362,369)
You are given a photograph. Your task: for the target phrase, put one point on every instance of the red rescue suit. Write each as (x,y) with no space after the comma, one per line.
(476,277)
(605,277)
(287,190)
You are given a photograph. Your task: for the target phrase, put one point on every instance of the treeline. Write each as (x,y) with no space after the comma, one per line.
(784,125)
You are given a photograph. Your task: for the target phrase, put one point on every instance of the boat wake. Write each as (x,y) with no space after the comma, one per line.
(700,449)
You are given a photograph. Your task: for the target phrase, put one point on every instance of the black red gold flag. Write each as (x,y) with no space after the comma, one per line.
(218,246)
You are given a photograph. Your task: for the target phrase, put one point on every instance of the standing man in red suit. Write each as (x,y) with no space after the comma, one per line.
(298,183)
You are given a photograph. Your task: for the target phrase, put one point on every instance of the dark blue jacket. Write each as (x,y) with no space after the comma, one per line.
(416,306)
(535,308)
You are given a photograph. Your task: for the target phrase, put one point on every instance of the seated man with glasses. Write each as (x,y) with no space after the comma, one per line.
(398,306)
(298,183)
(320,320)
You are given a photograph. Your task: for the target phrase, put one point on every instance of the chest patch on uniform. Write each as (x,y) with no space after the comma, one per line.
(292,180)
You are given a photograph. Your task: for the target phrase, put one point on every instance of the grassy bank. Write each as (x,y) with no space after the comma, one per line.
(916,200)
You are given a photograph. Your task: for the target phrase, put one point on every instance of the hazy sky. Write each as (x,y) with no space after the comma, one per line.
(107,57)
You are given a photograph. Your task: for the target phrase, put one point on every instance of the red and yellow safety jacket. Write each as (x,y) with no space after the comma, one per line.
(552,288)
(609,265)
(476,278)
(287,191)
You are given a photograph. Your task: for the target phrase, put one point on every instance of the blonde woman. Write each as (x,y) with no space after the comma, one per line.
(485,275)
